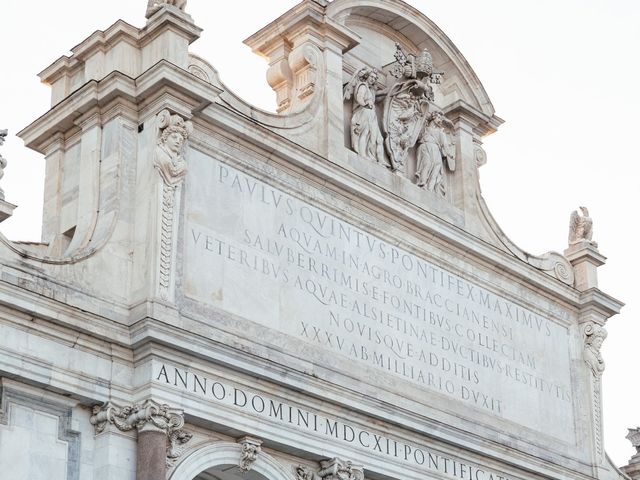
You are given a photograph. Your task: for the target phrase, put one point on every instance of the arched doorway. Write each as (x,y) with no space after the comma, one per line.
(219,461)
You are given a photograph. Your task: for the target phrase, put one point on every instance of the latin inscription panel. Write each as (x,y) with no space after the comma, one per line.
(260,253)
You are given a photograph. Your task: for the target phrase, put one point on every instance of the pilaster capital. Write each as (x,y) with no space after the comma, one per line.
(145,416)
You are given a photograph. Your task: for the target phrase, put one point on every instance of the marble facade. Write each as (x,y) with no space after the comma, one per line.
(320,293)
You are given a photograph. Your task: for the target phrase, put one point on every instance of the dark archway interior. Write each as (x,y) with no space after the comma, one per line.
(228,472)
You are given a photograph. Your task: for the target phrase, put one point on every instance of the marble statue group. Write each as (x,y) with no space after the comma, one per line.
(409,118)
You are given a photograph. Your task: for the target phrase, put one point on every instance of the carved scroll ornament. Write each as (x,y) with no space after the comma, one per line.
(331,469)
(149,415)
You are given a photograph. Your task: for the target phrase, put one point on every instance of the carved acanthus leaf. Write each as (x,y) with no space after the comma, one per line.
(145,416)
(338,469)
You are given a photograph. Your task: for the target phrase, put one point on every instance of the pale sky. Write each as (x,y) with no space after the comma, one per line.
(564,74)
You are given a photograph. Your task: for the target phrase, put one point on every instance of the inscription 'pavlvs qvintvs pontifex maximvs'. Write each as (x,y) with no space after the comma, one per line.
(260,253)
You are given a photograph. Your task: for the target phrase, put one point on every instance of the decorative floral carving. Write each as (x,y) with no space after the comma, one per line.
(595,335)
(304,472)
(169,161)
(199,72)
(338,469)
(435,149)
(166,235)
(154,5)
(3,161)
(581,227)
(149,415)
(250,448)
(177,440)
(366,138)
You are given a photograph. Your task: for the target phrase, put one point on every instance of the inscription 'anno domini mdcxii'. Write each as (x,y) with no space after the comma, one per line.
(260,253)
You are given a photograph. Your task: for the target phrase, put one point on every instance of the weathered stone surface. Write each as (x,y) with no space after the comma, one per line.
(322,283)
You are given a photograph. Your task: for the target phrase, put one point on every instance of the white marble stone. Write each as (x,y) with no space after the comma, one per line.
(237,290)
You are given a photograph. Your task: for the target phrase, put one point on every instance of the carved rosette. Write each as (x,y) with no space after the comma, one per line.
(169,160)
(305,472)
(142,417)
(250,448)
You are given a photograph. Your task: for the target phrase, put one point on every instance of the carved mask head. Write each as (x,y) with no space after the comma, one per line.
(174,142)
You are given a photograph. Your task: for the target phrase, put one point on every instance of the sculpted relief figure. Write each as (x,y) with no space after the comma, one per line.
(434,151)
(169,153)
(595,335)
(154,5)
(409,119)
(366,138)
(407,104)
(581,227)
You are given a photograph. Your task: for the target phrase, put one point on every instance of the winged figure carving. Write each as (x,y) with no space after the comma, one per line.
(581,227)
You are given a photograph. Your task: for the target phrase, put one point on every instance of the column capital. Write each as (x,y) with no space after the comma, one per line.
(148,416)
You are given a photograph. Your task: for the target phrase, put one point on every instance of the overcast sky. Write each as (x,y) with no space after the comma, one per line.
(564,74)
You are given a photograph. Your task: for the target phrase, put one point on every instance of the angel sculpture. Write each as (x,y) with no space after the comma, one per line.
(434,149)
(154,5)
(366,138)
(581,227)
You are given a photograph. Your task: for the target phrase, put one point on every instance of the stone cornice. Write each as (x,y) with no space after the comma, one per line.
(481,123)
(100,40)
(118,88)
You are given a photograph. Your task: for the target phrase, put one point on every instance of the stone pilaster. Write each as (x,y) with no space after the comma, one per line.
(160,434)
